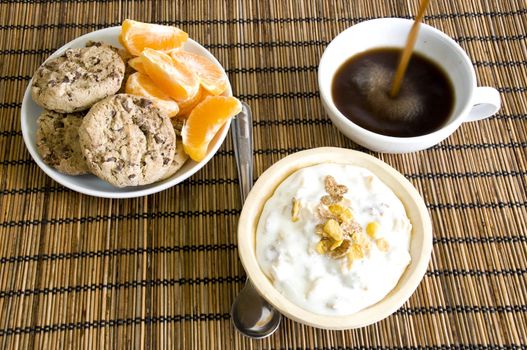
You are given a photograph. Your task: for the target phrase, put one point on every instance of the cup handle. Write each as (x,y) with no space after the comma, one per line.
(486,102)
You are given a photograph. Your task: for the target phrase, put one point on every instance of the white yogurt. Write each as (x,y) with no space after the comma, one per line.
(286,250)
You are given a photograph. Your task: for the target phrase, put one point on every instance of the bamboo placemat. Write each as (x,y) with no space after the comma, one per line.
(162,271)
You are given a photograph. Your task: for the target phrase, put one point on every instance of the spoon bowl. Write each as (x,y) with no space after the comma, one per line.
(252,315)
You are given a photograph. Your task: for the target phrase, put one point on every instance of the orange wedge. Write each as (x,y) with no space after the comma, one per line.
(185,107)
(137,64)
(170,76)
(204,122)
(136,36)
(211,77)
(141,85)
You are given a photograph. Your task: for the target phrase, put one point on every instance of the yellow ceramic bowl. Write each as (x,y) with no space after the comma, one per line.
(420,246)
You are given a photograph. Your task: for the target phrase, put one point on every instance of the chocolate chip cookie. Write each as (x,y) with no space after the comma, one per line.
(127,141)
(180,157)
(58,142)
(78,79)
(125,56)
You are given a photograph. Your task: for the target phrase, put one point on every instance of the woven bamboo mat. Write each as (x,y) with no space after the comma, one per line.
(162,271)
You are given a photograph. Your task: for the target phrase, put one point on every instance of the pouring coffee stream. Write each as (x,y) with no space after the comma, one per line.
(407,51)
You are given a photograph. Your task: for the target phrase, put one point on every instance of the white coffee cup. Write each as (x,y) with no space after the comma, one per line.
(471,102)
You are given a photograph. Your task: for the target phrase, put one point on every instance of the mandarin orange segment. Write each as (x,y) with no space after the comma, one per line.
(136,36)
(141,85)
(171,76)
(204,122)
(185,107)
(137,64)
(211,77)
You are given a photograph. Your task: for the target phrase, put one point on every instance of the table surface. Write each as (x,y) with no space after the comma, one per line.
(163,270)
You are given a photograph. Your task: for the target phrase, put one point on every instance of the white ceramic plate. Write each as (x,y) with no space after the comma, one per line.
(90,184)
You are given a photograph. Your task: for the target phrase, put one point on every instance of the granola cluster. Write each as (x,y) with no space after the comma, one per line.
(340,235)
(295,211)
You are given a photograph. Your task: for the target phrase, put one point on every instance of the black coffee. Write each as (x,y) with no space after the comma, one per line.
(361,91)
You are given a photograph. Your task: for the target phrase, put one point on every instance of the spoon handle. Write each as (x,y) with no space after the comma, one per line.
(251,314)
(242,139)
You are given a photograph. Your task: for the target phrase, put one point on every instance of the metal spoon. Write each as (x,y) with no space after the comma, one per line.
(251,314)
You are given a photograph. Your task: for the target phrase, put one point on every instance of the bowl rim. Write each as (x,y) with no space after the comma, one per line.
(139,191)
(265,187)
(447,129)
